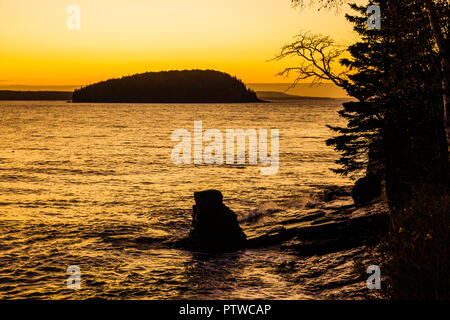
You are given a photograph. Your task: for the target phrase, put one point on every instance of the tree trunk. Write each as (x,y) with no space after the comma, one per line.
(440,41)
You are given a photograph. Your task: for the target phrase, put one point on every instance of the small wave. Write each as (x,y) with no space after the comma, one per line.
(17,178)
(20,191)
(49,162)
(259,212)
(53,170)
(33,149)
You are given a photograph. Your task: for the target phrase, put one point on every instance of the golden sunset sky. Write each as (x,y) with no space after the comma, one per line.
(122,37)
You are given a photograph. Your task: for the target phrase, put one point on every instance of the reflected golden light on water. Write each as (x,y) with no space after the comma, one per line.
(80,183)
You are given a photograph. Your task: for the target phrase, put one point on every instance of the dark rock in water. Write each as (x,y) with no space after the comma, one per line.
(215,227)
(366,189)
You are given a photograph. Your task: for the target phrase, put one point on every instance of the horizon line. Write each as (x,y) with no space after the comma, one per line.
(81,85)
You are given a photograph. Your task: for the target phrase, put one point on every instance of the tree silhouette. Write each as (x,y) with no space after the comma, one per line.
(317,54)
(188,86)
(438,19)
(399,120)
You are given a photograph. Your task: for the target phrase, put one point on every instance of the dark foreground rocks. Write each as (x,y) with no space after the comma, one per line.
(329,227)
(324,248)
(328,230)
(214,226)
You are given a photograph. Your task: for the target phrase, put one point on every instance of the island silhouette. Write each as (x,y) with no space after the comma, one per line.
(187,86)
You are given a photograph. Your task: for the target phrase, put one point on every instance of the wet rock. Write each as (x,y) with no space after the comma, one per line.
(366,189)
(325,246)
(270,238)
(215,227)
(333,192)
(309,217)
(285,230)
(333,236)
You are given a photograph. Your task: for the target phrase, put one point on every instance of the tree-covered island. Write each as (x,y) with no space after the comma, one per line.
(187,86)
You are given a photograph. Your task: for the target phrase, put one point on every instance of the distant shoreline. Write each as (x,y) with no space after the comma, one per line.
(18,95)
(12,95)
(277,95)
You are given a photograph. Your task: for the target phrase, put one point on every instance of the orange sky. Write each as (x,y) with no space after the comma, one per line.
(121,37)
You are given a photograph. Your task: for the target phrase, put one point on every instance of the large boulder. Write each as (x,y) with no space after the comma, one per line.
(215,228)
(366,189)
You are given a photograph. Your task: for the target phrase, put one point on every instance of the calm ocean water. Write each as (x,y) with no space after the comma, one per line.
(80,182)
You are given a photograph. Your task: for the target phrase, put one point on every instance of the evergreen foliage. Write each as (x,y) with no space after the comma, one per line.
(188,86)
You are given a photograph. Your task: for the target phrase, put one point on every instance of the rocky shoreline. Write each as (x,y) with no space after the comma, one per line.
(326,242)
(328,226)
(329,245)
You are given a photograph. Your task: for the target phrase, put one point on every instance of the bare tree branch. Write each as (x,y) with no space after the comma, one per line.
(317,54)
(327,4)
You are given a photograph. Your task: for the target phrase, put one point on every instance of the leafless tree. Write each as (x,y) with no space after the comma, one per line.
(318,54)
